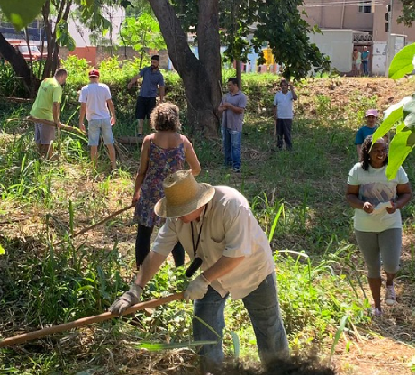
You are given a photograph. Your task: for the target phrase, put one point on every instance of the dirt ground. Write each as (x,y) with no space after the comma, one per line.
(388,91)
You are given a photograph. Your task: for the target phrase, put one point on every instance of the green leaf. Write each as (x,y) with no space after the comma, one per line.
(236,345)
(156,347)
(21,13)
(411,140)
(398,151)
(342,325)
(2,251)
(388,123)
(402,62)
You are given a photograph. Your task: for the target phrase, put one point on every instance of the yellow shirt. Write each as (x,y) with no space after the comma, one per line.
(228,228)
(50,91)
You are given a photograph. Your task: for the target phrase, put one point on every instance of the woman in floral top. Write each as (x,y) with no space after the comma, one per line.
(162,153)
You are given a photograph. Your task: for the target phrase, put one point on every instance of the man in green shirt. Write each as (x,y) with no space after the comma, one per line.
(47,107)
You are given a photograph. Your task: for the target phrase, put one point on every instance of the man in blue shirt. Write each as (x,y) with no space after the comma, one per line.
(368,129)
(152,79)
(365,60)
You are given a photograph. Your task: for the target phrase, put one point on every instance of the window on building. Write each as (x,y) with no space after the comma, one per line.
(365,7)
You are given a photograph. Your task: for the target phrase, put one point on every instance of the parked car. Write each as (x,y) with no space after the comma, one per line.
(26,51)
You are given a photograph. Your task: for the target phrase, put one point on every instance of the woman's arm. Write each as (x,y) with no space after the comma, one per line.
(142,170)
(191,157)
(352,196)
(404,193)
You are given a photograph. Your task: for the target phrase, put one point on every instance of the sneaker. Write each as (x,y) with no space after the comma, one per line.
(390,295)
(376,312)
(236,170)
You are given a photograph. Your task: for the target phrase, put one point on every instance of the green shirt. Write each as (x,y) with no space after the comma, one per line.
(50,91)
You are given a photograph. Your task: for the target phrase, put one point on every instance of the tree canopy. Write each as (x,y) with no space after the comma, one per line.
(247,26)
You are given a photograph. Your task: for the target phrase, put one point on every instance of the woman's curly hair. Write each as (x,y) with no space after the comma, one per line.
(364,153)
(165,117)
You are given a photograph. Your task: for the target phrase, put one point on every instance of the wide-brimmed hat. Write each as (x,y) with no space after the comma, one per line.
(183,195)
(371,112)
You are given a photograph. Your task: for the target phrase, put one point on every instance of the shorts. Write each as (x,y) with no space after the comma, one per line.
(44,134)
(143,107)
(94,130)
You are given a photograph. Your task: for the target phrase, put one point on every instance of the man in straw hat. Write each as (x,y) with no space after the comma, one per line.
(222,237)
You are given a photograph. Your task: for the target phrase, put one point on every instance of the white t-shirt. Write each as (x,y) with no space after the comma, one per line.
(284,103)
(95,95)
(374,187)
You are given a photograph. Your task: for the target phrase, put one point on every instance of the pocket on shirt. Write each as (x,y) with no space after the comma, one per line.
(218,240)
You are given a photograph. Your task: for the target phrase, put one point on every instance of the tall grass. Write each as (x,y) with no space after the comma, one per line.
(298,199)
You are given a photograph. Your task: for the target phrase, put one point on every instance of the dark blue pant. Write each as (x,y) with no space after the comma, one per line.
(264,312)
(232,147)
(284,132)
(365,68)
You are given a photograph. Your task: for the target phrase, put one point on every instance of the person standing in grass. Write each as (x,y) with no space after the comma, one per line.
(97,105)
(356,61)
(152,79)
(283,114)
(162,153)
(47,107)
(365,61)
(377,221)
(232,109)
(371,117)
(224,240)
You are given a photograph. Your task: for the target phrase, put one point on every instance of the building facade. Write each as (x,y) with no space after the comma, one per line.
(371,23)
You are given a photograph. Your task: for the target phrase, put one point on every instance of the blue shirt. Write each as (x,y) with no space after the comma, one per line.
(363,132)
(152,79)
(364,55)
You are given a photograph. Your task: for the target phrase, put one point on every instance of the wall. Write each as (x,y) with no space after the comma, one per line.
(338,44)
(336,16)
(379,32)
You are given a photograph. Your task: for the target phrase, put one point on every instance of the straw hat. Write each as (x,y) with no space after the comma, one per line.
(183,195)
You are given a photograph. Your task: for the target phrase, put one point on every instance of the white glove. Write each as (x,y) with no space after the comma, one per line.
(127,300)
(197,288)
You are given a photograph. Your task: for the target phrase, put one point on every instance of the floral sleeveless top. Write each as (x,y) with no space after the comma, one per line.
(162,162)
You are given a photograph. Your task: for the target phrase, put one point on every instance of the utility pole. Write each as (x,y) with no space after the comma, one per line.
(389,49)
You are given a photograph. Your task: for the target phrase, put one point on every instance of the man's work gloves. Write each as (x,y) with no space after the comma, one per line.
(197,288)
(127,300)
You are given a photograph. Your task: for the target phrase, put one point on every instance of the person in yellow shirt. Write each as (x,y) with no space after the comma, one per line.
(47,107)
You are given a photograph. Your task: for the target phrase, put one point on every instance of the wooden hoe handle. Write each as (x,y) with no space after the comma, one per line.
(68,128)
(19,339)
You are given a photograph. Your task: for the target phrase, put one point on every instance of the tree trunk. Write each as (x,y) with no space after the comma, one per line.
(52,61)
(209,50)
(239,73)
(201,78)
(20,66)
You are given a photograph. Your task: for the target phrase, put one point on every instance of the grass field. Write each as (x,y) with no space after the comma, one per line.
(48,276)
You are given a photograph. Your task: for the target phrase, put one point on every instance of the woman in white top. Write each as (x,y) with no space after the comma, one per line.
(377,221)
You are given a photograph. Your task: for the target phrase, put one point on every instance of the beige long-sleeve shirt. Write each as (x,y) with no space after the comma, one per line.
(228,228)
